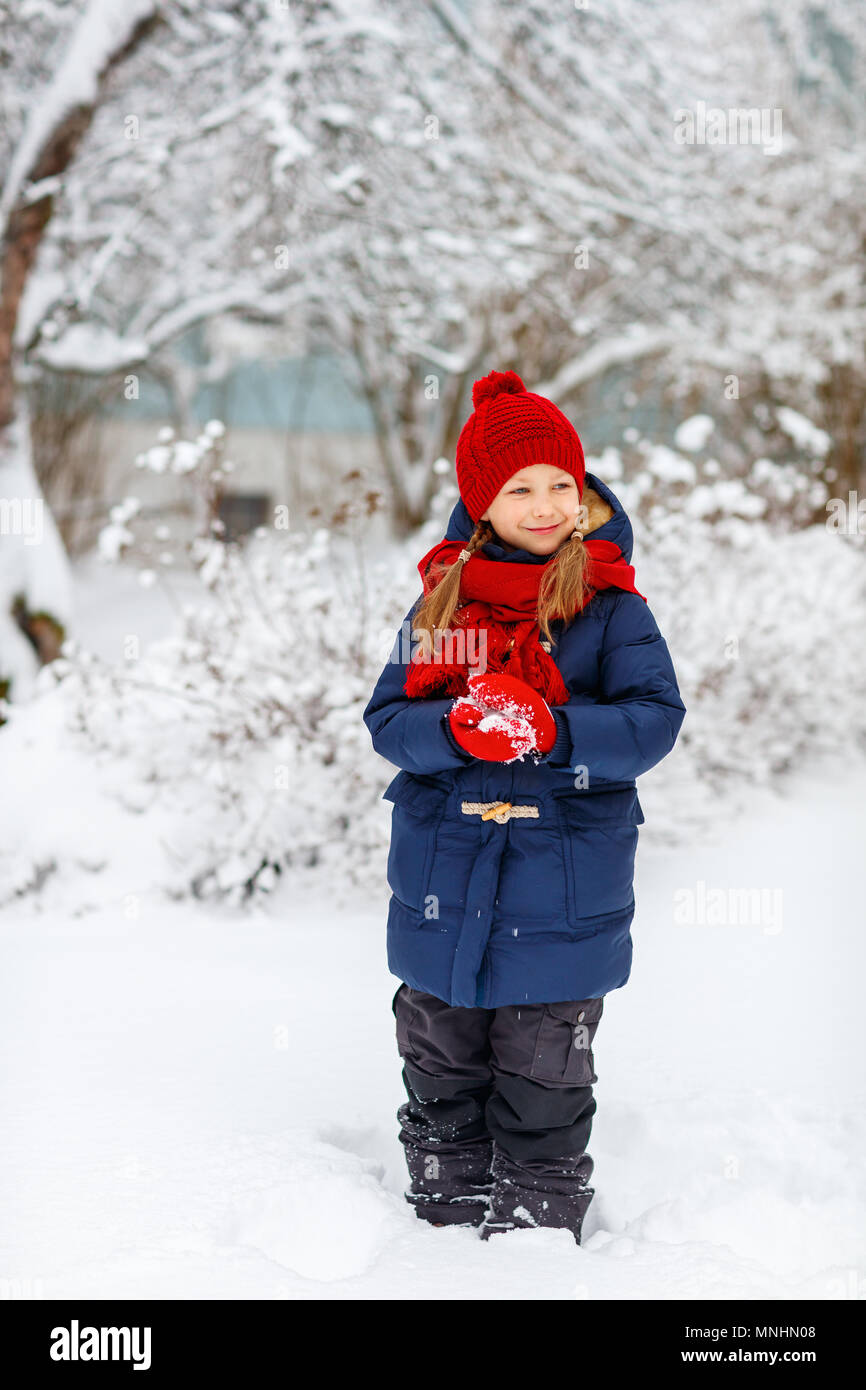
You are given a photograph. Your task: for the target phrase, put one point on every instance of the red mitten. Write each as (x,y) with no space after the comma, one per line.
(464,714)
(489,734)
(502,719)
(517,699)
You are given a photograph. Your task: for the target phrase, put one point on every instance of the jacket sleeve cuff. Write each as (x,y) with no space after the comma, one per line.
(560,754)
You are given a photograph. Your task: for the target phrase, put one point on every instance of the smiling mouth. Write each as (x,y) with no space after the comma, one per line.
(540,530)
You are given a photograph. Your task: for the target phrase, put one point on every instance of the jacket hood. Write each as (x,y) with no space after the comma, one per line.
(607,517)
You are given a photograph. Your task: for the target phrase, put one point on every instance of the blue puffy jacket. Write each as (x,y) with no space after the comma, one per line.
(536,908)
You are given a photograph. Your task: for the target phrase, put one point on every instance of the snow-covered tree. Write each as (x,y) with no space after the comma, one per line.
(41,139)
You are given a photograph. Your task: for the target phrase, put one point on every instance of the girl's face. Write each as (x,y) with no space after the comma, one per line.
(535,510)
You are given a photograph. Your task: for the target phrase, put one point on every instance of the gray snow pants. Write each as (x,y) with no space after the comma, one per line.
(499,1112)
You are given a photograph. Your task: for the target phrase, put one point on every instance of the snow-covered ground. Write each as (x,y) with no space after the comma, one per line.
(202,1104)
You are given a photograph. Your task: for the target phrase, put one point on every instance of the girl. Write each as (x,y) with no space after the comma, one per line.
(540,689)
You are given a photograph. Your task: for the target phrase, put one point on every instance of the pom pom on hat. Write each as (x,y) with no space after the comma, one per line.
(494,384)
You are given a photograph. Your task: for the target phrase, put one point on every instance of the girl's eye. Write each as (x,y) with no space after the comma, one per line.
(515,490)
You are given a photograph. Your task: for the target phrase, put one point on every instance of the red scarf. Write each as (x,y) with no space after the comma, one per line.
(501,600)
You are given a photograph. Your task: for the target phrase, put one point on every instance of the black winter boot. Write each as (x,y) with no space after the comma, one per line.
(447,1157)
(529,1195)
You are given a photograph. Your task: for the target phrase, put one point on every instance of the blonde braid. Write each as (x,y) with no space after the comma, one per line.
(437,608)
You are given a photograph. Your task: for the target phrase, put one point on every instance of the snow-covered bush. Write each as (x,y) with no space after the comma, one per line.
(237,743)
(654,478)
(246,724)
(760,614)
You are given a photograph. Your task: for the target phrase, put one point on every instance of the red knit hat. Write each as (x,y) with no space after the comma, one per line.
(511,428)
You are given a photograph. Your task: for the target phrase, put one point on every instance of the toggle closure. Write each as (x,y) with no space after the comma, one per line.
(500,811)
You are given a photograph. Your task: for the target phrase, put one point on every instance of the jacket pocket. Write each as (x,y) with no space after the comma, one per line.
(563,1048)
(599,841)
(418,809)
